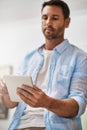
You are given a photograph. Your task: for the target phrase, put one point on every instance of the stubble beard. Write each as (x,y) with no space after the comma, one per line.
(55,35)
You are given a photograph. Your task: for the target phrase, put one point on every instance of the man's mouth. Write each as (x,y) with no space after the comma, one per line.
(49,29)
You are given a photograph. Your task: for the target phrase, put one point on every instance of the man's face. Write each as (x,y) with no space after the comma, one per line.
(53,22)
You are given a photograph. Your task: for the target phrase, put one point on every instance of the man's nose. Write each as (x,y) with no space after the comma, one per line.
(49,21)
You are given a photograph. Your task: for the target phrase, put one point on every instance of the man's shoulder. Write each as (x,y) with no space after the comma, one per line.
(78,50)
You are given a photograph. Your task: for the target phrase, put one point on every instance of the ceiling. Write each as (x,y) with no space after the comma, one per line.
(27,9)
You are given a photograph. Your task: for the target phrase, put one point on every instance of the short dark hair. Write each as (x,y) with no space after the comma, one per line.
(58,3)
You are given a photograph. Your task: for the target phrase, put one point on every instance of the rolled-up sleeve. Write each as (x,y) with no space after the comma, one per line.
(78,89)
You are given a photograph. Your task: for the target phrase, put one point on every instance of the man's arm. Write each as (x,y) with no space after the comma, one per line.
(35,97)
(64,107)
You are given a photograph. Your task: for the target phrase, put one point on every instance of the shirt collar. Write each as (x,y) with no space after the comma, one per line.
(59,48)
(62,46)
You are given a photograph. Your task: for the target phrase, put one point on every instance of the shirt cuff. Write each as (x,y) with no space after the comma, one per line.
(82,104)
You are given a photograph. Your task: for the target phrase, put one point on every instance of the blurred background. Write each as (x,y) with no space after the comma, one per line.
(20,32)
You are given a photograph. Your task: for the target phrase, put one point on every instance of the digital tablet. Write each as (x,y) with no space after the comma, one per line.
(12,82)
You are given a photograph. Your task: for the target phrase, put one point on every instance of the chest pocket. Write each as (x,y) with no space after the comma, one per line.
(65,71)
(61,81)
(64,74)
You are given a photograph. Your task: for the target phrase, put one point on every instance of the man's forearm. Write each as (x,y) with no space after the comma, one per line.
(65,107)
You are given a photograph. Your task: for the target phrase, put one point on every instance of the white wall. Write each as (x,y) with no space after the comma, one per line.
(77,31)
(17,37)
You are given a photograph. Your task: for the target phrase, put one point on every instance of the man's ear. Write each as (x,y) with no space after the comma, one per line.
(67,22)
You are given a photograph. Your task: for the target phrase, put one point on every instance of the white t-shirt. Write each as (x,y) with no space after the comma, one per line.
(33,117)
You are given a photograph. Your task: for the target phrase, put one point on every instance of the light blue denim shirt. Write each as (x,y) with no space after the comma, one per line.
(67,79)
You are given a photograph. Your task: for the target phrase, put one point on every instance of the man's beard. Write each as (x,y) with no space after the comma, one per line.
(54,34)
(50,37)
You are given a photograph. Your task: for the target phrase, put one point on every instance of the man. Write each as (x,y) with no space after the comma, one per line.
(59,73)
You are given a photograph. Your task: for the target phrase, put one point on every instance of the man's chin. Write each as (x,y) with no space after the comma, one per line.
(50,37)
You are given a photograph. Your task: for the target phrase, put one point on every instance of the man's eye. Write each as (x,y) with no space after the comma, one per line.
(55,18)
(44,18)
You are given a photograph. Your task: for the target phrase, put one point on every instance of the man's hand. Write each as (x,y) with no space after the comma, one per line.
(5,99)
(33,96)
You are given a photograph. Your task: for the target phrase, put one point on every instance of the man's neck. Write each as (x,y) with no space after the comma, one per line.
(51,44)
